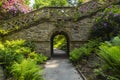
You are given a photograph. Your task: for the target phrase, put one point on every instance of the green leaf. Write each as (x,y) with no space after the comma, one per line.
(0,3)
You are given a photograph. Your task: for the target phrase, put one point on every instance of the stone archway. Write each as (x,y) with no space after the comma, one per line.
(67,42)
(37,26)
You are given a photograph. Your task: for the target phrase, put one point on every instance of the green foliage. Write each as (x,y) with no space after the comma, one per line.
(16,51)
(76,54)
(27,2)
(84,51)
(112,78)
(60,42)
(114,42)
(3,32)
(14,43)
(39,58)
(56,3)
(44,3)
(26,70)
(11,51)
(30,44)
(110,55)
(40,3)
(107,24)
(98,71)
(0,3)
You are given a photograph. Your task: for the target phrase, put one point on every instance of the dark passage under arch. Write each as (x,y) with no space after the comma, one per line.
(53,54)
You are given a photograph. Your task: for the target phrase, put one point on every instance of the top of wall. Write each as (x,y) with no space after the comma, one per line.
(53,14)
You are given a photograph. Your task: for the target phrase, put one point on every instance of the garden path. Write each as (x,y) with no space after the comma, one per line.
(1,74)
(60,69)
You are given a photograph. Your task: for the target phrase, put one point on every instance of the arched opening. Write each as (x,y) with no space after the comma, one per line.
(59,44)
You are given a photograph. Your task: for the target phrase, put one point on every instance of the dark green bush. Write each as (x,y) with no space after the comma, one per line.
(30,44)
(84,51)
(107,25)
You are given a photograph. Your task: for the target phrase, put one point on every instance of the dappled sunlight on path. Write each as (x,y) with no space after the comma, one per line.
(60,69)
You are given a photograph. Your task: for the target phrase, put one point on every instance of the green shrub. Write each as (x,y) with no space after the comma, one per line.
(16,51)
(11,51)
(26,70)
(111,56)
(114,42)
(39,58)
(98,72)
(14,43)
(107,25)
(30,44)
(76,55)
(112,78)
(79,53)
(84,51)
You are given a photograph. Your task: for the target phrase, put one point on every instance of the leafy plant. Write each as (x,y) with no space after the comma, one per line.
(30,44)
(112,78)
(107,24)
(26,70)
(114,42)
(11,51)
(14,43)
(98,72)
(16,51)
(84,51)
(39,58)
(110,55)
(76,55)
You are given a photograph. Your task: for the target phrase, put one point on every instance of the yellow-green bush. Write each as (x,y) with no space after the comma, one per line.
(16,52)
(26,70)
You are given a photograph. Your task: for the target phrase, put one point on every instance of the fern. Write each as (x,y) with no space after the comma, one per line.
(26,70)
(111,57)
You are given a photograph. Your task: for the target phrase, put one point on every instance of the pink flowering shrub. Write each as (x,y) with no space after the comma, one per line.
(11,8)
(15,5)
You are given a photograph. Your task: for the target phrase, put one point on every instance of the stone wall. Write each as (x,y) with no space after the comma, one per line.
(78,33)
(40,25)
(54,14)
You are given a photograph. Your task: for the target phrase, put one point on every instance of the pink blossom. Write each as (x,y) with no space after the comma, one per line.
(15,5)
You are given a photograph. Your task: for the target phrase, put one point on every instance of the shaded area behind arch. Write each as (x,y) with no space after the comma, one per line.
(67,44)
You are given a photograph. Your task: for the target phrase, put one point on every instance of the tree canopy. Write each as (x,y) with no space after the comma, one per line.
(58,3)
